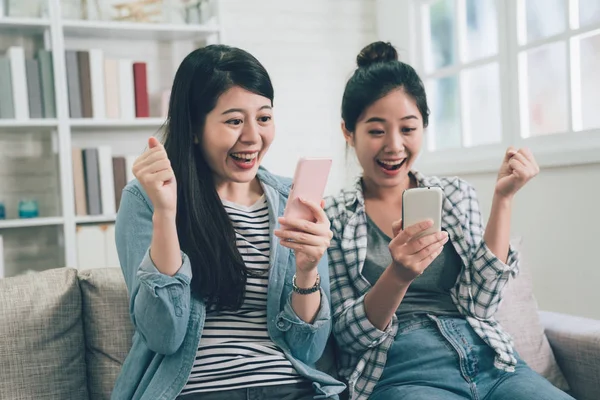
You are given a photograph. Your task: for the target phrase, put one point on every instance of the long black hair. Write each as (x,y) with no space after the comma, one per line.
(379,72)
(205,231)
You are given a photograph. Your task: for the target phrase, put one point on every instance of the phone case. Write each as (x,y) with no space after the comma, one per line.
(420,204)
(309,183)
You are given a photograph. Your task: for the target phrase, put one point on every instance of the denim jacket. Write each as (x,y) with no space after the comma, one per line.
(168,321)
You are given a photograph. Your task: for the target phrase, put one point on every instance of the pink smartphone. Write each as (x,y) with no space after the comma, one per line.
(309,183)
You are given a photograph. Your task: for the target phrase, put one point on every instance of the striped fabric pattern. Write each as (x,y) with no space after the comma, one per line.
(235,350)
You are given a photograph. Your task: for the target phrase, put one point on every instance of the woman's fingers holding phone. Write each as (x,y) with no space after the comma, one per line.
(302,225)
(407,234)
(412,257)
(397,227)
(317,211)
(308,239)
(316,228)
(429,253)
(299,237)
(415,246)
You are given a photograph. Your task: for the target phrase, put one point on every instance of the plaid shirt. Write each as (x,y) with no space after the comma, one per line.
(476,294)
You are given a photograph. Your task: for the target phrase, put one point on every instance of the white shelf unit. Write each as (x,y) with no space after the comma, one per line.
(24,25)
(136,31)
(91,123)
(31,222)
(30,124)
(166,44)
(95,219)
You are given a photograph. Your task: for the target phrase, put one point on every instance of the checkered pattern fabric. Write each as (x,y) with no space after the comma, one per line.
(477,293)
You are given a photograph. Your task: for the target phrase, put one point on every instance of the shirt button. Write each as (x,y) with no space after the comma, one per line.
(280,324)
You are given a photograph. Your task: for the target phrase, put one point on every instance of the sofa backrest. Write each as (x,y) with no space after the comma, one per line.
(518,314)
(42,348)
(108,328)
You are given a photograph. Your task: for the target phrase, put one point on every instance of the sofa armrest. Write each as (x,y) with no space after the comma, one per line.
(576,345)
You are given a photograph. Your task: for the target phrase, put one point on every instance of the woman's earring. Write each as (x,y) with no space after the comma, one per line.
(196,141)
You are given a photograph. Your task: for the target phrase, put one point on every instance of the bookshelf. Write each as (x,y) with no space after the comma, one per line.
(95,219)
(29,124)
(87,123)
(136,31)
(31,222)
(24,25)
(42,168)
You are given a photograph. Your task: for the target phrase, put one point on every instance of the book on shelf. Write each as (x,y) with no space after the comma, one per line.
(142,108)
(120,177)
(96,247)
(79,182)
(100,87)
(47,82)
(126,86)
(111,89)
(16,55)
(98,180)
(91,173)
(73,89)
(85,83)
(26,85)
(107,181)
(34,88)
(7,105)
(97,83)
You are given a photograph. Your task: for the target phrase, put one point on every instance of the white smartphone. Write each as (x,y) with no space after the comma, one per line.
(309,183)
(420,204)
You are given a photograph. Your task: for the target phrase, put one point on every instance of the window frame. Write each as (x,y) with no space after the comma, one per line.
(552,150)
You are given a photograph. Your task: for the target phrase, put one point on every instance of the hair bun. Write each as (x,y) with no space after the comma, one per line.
(376,52)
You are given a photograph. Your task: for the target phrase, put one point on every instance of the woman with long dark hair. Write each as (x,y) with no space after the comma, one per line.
(221,307)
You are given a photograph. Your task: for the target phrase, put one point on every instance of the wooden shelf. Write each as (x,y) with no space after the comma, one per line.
(135,30)
(95,219)
(30,222)
(90,123)
(37,124)
(24,25)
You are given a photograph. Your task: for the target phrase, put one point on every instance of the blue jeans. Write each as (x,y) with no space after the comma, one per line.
(447,360)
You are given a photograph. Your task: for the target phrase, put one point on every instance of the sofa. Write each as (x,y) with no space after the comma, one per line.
(64,334)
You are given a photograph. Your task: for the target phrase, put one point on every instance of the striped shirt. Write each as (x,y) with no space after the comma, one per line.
(235,349)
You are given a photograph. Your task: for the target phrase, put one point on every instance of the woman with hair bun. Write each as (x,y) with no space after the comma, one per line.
(413,318)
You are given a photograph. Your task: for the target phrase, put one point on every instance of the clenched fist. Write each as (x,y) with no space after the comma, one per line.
(518,167)
(153,170)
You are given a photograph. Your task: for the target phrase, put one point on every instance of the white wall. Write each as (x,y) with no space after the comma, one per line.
(557,217)
(556,214)
(309,48)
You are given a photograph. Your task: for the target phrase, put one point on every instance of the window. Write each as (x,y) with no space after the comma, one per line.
(500,72)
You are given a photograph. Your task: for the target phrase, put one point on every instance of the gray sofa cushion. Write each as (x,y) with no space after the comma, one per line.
(41,337)
(108,328)
(518,314)
(576,344)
